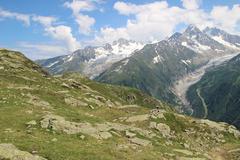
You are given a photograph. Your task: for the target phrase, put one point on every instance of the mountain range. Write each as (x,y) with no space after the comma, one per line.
(156,67)
(164,69)
(91,61)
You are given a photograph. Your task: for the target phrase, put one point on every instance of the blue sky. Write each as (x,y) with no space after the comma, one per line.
(47,28)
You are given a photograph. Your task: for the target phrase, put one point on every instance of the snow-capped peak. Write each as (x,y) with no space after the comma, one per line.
(192,29)
(121,47)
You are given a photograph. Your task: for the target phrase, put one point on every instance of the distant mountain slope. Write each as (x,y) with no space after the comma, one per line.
(157,66)
(223,37)
(152,69)
(91,61)
(217,95)
(71,117)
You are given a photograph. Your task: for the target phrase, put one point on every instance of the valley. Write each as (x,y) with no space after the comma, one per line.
(182,85)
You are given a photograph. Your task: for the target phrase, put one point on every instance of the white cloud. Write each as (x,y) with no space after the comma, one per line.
(157,20)
(84,21)
(129,8)
(25,18)
(41,51)
(64,33)
(109,34)
(191,4)
(225,17)
(151,22)
(58,32)
(44,20)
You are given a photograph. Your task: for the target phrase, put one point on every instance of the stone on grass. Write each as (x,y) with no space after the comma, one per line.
(10,152)
(136,118)
(141,142)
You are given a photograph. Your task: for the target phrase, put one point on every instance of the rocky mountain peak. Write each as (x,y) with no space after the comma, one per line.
(121,41)
(213,31)
(192,30)
(175,37)
(108,46)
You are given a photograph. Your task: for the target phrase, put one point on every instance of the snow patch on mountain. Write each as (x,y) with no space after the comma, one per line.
(52,64)
(122,50)
(187,62)
(222,41)
(125,62)
(157,59)
(69,58)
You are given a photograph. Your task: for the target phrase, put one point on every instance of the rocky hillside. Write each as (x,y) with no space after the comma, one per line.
(156,67)
(71,117)
(216,95)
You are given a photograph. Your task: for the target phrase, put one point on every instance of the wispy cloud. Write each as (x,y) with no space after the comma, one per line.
(84,21)
(61,33)
(79,9)
(41,51)
(25,18)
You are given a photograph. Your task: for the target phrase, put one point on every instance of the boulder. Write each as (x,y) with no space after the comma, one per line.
(139,141)
(162,128)
(36,101)
(74,102)
(105,135)
(31,123)
(10,152)
(186,152)
(136,118)
(157,113)
(130,134)
(99,130)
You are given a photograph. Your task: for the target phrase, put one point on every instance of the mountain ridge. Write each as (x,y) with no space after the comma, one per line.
(166,61)
(90,60)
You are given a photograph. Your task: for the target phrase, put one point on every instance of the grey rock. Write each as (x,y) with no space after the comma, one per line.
(9,151)
(141,142)
(74,102)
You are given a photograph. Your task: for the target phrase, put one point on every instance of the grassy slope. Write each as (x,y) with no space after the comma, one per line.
(20,77)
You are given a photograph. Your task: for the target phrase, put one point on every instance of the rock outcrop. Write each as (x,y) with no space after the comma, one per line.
(10,152)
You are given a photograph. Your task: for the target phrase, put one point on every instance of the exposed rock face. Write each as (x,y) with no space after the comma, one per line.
(99,131)
(220,126)
(31,123)
(10,152)
(139,141)
(136,118)
(130,134)
(36,101)
(74,102)
(162,128)
(157,113)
